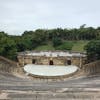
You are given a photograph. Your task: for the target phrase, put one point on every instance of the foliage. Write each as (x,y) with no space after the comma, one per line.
(8,47)
(30,40)
(93,50)
(56,42)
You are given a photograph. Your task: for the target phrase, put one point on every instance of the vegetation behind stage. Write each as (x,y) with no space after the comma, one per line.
(76,39)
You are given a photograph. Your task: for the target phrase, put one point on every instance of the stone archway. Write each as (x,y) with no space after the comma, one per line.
(69,62)
(33,61)
(51,62)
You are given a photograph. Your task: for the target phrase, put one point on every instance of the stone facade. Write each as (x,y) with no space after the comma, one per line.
(77,59)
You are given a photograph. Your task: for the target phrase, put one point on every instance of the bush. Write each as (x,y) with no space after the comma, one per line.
(93,50)
(56,42)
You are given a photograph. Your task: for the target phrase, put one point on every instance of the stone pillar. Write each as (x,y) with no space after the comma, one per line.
(21,60)
(80,61)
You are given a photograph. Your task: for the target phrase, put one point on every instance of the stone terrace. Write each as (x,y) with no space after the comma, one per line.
(80,88)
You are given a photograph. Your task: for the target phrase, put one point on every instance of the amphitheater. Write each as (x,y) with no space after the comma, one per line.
(19,81)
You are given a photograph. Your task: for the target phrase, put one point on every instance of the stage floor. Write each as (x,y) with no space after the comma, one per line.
(50,70)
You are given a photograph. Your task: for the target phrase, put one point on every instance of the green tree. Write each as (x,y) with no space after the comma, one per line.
(56,42)
(8,48)
(93,50)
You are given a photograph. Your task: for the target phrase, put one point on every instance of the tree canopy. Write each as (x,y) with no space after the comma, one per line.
(93,50)
(29,40)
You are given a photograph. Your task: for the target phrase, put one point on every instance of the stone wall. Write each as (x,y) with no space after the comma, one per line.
(92,68)
(43,60)
(7,65)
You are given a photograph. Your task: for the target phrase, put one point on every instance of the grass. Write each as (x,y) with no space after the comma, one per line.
(45,47)
(77,46)
(67,45)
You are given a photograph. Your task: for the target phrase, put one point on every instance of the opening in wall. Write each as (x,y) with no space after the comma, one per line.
(51,62)
(69,62)
(33,61)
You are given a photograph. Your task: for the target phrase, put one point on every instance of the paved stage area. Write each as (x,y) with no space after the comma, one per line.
(81,88)
(50,70)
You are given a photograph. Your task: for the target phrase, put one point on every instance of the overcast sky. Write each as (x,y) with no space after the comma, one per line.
(16,16)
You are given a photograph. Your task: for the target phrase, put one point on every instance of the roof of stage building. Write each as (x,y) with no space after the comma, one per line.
(52,53)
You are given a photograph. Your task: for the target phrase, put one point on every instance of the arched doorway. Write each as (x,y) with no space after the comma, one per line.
(51,62)
(33,61)
(69,62)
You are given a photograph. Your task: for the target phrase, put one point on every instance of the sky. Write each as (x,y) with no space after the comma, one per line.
(17,16)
